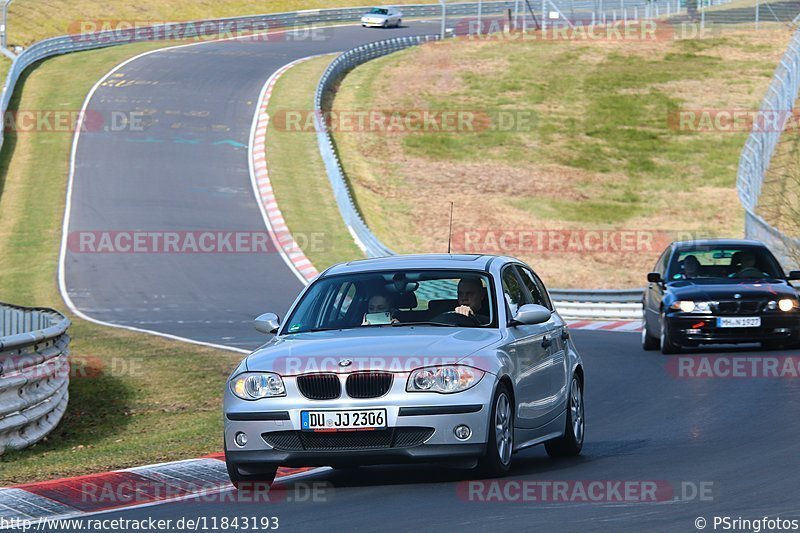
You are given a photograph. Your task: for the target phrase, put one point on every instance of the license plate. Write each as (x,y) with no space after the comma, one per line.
(343,420)
(739,322)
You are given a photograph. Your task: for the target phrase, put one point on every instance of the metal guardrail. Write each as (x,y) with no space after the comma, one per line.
(34,374)
(758,151)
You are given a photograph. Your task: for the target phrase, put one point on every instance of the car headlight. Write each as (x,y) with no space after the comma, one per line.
(787,304)
(258,386)
(443,379)
(688,306)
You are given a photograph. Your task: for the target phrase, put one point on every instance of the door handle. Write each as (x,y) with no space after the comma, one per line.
(546,342)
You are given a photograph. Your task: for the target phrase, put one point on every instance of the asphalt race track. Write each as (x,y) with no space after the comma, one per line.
(714,446)
(186,170)
(735,439)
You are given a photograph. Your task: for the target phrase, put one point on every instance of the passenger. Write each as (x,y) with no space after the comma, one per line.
(691,267)
(471,299)
(379,303)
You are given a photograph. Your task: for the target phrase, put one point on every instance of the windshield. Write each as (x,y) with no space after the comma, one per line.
(379,11)
(395,299)
(750,262)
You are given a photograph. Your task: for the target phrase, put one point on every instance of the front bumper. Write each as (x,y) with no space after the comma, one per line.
(373,23)
(686,329)
(420,428)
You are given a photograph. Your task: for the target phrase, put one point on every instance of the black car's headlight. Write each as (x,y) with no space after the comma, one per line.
(443,379)
(257,386)
(785,304)
(689,306)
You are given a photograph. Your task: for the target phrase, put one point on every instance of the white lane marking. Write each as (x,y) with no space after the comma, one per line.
(62,284)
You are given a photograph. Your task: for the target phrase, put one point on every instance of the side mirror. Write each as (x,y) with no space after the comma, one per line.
(794,275)
(654,277)
(530,314)
(268,323)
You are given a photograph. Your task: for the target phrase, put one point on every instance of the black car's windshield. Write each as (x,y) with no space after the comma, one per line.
(396,298)
(733,263)
(379,11)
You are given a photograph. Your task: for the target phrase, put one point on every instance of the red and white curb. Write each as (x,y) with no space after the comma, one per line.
(205,478)
(606,325)
(279,231)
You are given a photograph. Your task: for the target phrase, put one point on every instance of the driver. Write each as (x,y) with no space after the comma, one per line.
(747,266)
(471,298)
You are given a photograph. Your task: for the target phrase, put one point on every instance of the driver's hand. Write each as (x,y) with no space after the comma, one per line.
(464,310)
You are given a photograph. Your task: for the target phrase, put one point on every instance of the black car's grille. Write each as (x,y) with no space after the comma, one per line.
(319,386)
(348,440)
(738,307)
(368,384)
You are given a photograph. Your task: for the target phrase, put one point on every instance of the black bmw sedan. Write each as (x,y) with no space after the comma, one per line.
(719,292)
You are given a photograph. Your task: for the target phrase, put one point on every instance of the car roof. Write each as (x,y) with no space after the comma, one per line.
(414,262)
(683,245)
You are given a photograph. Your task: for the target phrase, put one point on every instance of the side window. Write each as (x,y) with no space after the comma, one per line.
(661,265)
(512,290)
(535,287)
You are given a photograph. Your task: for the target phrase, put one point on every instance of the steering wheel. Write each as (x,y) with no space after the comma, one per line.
(456,319)
(749,272)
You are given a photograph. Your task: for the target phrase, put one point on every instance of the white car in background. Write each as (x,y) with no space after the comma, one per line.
(382,17)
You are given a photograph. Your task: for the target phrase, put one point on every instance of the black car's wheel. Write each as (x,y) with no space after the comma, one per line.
(668,346)
(648,341)
(260,482)
(500,447)
(572,441)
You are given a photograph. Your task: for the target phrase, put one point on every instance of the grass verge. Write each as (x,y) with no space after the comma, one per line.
(298,175)
(602,153)
(128,402)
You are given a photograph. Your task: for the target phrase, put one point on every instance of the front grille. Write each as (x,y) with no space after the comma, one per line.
(738,307)
(347,440)
(319,386)
(368,384)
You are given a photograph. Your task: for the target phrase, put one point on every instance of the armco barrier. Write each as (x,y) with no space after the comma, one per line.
(34,374)
(758,151)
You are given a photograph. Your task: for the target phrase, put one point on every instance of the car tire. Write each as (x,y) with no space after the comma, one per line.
(399,21)
(666,343)
(385,24)
(571,443)
(500,445)
(648,341)
(260,482)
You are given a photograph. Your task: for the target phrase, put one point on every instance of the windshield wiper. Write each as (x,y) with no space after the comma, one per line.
(397,324)
(314,330)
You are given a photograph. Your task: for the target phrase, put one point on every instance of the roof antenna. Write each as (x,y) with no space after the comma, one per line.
(450,233)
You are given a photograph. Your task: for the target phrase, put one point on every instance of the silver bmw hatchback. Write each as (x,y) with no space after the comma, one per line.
(431,358)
